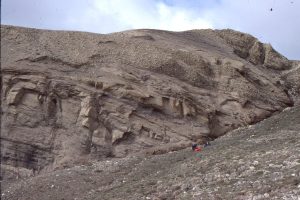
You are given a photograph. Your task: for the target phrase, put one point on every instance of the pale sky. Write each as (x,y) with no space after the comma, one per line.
(280,27)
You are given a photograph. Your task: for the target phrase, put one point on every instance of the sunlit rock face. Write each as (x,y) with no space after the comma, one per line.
(72,97)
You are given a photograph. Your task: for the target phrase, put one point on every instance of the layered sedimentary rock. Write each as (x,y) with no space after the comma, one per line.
(261,161)
(292,81)
(72,97)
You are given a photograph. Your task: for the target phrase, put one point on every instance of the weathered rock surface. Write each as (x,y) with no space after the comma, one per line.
(261,161)
(249,48)
(292,81)
(71,97)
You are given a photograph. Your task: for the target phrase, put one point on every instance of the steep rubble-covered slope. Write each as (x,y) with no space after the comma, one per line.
(261,161)
(72,97)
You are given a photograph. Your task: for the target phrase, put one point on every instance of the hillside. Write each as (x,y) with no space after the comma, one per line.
(74,98)
(261,161)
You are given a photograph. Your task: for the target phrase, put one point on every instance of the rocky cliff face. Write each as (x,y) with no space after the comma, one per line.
(72,97)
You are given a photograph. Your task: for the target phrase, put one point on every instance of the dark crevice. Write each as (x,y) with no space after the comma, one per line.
(128,138)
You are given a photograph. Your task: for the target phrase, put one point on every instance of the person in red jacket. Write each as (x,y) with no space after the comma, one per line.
(196,148)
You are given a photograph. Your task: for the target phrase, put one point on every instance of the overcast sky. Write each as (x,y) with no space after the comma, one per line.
(280,27)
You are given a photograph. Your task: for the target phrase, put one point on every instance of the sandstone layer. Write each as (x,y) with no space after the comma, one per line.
(72,97)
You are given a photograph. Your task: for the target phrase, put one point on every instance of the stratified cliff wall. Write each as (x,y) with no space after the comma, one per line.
(72,97)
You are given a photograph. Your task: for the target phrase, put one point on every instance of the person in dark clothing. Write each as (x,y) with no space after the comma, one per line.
(194,146)
(207,144)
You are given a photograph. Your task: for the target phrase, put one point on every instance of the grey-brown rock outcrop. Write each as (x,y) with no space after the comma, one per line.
(261,161)
(71,97)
